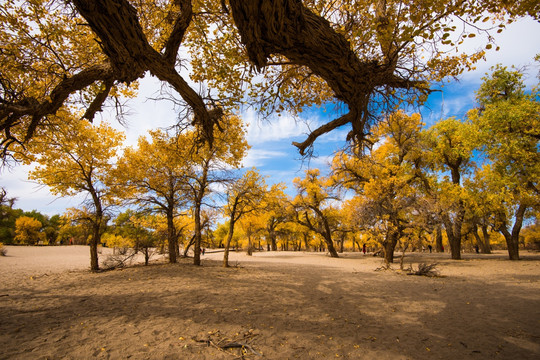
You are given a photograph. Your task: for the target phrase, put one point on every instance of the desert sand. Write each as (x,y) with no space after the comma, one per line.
(279,305)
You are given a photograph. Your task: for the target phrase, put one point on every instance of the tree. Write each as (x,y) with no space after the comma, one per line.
(243,197)
(154,176)
(8,216)
(313,206)
(274,212)
(133,229)
(451,143)
(76,157)
(252,225)
(28,231)
(210,165)
(362,54)
(367,55)
(509,122)
(385,178)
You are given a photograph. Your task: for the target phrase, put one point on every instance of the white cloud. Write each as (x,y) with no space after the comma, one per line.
(257,157)
(519,43)
(279,128)
(32,196)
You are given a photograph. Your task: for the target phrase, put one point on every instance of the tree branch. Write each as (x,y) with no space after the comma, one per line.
(180,26)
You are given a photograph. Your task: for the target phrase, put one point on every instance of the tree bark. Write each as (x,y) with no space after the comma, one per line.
(250,247)
(273,242)
(439,239)
(289,28)
(171,237)
(198,230)
(228,243)
(453,232)
(482,241)
(330,246)
(96,235)
(512,238)
(486,244)
(389,245)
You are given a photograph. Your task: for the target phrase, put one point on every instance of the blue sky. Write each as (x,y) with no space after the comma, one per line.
(271,149)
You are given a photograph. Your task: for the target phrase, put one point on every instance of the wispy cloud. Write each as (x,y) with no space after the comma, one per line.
(279,128)
(257,157)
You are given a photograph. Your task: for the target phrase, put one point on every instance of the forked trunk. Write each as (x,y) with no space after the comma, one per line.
(486,245)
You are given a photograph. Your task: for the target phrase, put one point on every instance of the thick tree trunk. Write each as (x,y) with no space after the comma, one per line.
(306,241)
(330,245)
(453,232)
(486,245)
(389,245)
(439,239)
(454,241)
(482,243)
(513,246)
(512,238)
(273,241)
(288,28)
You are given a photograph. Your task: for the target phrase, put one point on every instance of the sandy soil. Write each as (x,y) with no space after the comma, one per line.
(279,305)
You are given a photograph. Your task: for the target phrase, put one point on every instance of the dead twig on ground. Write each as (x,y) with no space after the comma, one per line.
(425,270)
(118,261)
(242,342)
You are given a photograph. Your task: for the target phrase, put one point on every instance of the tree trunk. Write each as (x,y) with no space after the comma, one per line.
(146,255)
(228,244)
(486,245)
(512,238)
(250,247)
(482,243)
(306,241)
(389,245)
(513,246)
(453,231)
(273,241)
(94,263)
(190,243)
(198,229)
(454,242)
(330,246)
(171,237)
(439,239)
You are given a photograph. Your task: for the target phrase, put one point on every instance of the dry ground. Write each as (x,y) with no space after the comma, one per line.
(281,305)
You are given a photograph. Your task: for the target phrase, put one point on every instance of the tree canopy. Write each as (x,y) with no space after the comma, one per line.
(368,56)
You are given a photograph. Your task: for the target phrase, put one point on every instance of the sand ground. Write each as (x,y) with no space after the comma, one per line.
(280,305)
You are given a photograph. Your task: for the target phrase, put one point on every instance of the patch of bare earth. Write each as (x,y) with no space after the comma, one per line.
(280,305)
